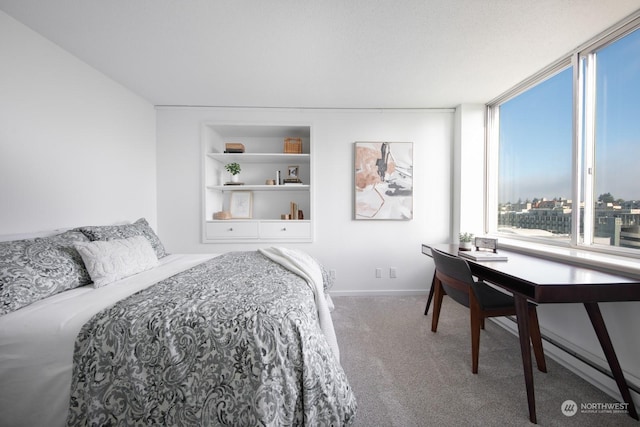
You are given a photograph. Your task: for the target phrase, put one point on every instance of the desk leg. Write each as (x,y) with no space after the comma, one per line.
(607,346)
(433,286)
(522,313)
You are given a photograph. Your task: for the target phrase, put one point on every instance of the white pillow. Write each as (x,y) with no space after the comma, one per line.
(111,260)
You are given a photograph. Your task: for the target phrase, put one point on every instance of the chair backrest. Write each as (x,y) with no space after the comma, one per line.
(455,276)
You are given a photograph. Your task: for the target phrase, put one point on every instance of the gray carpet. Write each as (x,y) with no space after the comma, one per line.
(404,375)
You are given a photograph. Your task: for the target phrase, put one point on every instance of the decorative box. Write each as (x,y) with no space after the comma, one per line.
(293,145)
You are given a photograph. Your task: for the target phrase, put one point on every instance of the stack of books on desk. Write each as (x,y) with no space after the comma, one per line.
(482,256)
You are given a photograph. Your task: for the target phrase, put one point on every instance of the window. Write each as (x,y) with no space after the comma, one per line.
(614,141)
(565,181)
(534,159)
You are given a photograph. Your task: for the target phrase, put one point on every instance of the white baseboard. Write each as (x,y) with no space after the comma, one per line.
(582,369)
(391,292)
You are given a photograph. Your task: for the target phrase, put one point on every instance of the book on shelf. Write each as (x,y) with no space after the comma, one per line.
(482,256)
(290,181)
(233,147)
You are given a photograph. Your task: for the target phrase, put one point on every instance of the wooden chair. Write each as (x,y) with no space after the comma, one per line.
(453,277)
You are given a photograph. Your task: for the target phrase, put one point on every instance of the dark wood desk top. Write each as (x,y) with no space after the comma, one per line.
(547,281)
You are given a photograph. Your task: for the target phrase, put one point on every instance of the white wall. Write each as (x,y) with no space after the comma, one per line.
(75,147)
(353,248)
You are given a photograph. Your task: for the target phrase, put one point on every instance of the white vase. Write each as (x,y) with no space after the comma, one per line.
(235,178)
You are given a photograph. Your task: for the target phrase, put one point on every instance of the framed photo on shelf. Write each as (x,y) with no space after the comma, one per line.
(241,204)
(293,172)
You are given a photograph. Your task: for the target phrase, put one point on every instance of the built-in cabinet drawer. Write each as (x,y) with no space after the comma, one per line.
(232,230)
(285,230)
(218,231)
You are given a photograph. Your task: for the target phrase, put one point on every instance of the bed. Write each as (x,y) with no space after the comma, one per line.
(240,338)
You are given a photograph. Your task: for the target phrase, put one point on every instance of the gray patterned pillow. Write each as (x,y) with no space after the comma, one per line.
(112,232)
(34,269)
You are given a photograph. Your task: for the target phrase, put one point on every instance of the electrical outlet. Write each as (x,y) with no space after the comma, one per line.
(378,273)
(392,272)
(332,274)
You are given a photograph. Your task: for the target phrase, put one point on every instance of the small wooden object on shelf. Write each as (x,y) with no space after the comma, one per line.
(233,147)
(293,145)
(222,215)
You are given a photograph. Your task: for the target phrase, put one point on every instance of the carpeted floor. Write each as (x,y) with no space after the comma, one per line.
(404,375)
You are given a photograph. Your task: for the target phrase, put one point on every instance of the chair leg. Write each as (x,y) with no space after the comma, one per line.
(437,304)
(476,322)
(536,339)
(431,291)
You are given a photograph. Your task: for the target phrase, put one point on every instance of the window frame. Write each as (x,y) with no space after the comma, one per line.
(583,143)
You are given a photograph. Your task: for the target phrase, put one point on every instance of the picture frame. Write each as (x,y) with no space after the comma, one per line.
(293,171)
(383,181)
(241,204)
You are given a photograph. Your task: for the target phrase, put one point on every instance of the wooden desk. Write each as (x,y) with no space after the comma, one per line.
(541,280)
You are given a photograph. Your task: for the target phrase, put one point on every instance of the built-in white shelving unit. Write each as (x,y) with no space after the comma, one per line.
(263,157)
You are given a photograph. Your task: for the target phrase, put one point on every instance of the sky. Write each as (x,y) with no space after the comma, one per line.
(536,131)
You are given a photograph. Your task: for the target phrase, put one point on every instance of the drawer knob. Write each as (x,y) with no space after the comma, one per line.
(230,228)
(284,228)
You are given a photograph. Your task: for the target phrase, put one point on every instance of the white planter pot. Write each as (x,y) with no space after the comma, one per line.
(235,178)
(465,246)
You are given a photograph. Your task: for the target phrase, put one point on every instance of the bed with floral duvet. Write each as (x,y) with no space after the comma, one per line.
(238,339)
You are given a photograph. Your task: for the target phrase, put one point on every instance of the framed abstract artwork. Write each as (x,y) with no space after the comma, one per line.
(383,180)
(241,204)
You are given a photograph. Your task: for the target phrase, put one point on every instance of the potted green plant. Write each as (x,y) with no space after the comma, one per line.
(234,170)
(465,241)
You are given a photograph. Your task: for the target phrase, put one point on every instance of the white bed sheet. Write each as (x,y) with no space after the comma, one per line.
(37,342)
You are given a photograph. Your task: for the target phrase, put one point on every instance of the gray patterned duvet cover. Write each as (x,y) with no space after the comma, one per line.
(233,341)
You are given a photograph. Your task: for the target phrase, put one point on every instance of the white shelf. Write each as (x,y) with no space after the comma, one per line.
(260,157)
(258,187)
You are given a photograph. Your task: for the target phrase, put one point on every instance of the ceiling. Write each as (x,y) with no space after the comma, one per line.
(319,53)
